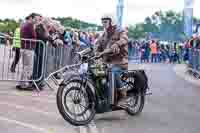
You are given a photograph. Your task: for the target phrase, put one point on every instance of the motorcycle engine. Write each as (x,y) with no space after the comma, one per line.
(98,70)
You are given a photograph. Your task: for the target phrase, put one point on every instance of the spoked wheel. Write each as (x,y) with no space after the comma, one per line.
(74,104)
(136,104)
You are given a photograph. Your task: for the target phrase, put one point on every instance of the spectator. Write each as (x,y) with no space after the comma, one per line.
(130,48)
(198,42)
(142,51)
(146,52)
(27,32)
(162,53)
(16,48)
(177,53)
(67,39)
(159,56)
(153,47)
(42,29)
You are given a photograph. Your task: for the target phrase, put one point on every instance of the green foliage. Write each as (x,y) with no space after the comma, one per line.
(167,26)
(161,25)
(9,25)
(136,31)
(77,24)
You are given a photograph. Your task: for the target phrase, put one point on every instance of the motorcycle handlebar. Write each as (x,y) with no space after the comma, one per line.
(108,51)
(85,51)
(83,54)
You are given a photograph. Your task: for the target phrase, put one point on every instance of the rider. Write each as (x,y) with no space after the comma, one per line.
(116,41)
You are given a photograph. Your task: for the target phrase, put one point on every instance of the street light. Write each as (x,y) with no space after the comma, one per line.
(188,17)
(119,9)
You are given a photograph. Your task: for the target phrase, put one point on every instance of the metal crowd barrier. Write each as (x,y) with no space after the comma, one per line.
(56,58)
(133,54)
(37,61)
(194,60)
(20,64)
(59,60)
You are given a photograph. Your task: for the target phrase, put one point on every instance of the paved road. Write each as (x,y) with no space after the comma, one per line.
(173,108)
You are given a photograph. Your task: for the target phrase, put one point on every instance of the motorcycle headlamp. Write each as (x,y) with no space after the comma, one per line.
(83,68)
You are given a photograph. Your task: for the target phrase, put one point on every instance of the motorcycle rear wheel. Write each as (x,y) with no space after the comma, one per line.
(136,104)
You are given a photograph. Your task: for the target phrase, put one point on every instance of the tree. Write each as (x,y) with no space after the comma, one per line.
(9,25)
(168,26)
(75,23)
(136,32)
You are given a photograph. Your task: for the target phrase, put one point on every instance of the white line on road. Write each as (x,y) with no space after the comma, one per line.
(39,99)
(181,70)
(24,125)
(93,128)
(82,129)
(90,127)
(32,94)
(30,109)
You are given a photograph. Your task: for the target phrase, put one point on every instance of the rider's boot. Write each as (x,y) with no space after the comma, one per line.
(123,101)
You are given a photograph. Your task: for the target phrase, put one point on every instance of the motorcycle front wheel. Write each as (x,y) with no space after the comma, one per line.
(74,104)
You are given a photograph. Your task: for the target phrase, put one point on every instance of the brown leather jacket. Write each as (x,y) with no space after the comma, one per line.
(106,41)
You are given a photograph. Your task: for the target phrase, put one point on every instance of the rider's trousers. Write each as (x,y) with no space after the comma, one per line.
(117,82)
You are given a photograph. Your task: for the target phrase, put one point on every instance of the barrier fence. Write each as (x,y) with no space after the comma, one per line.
(143,55)
(18,63)
(34,60)
(134,54)
(194,60)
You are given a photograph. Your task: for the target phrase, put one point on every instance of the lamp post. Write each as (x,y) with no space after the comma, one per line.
(188,17)
(120,8)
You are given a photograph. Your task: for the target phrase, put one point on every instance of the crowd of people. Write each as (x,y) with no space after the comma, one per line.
(36,28)
(155,52)
(51,32)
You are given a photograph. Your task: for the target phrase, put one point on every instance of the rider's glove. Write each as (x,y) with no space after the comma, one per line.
(97,54)
(115,48)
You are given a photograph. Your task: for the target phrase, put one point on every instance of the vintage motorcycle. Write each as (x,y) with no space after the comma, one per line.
(83,95)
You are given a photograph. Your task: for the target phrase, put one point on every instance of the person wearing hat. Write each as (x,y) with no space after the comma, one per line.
(116,41)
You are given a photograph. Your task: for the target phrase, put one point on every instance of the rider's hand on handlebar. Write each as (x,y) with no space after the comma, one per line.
(106,51)
(98,55)
(115,48)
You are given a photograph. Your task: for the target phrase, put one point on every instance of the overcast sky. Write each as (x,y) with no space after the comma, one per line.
(90,10)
